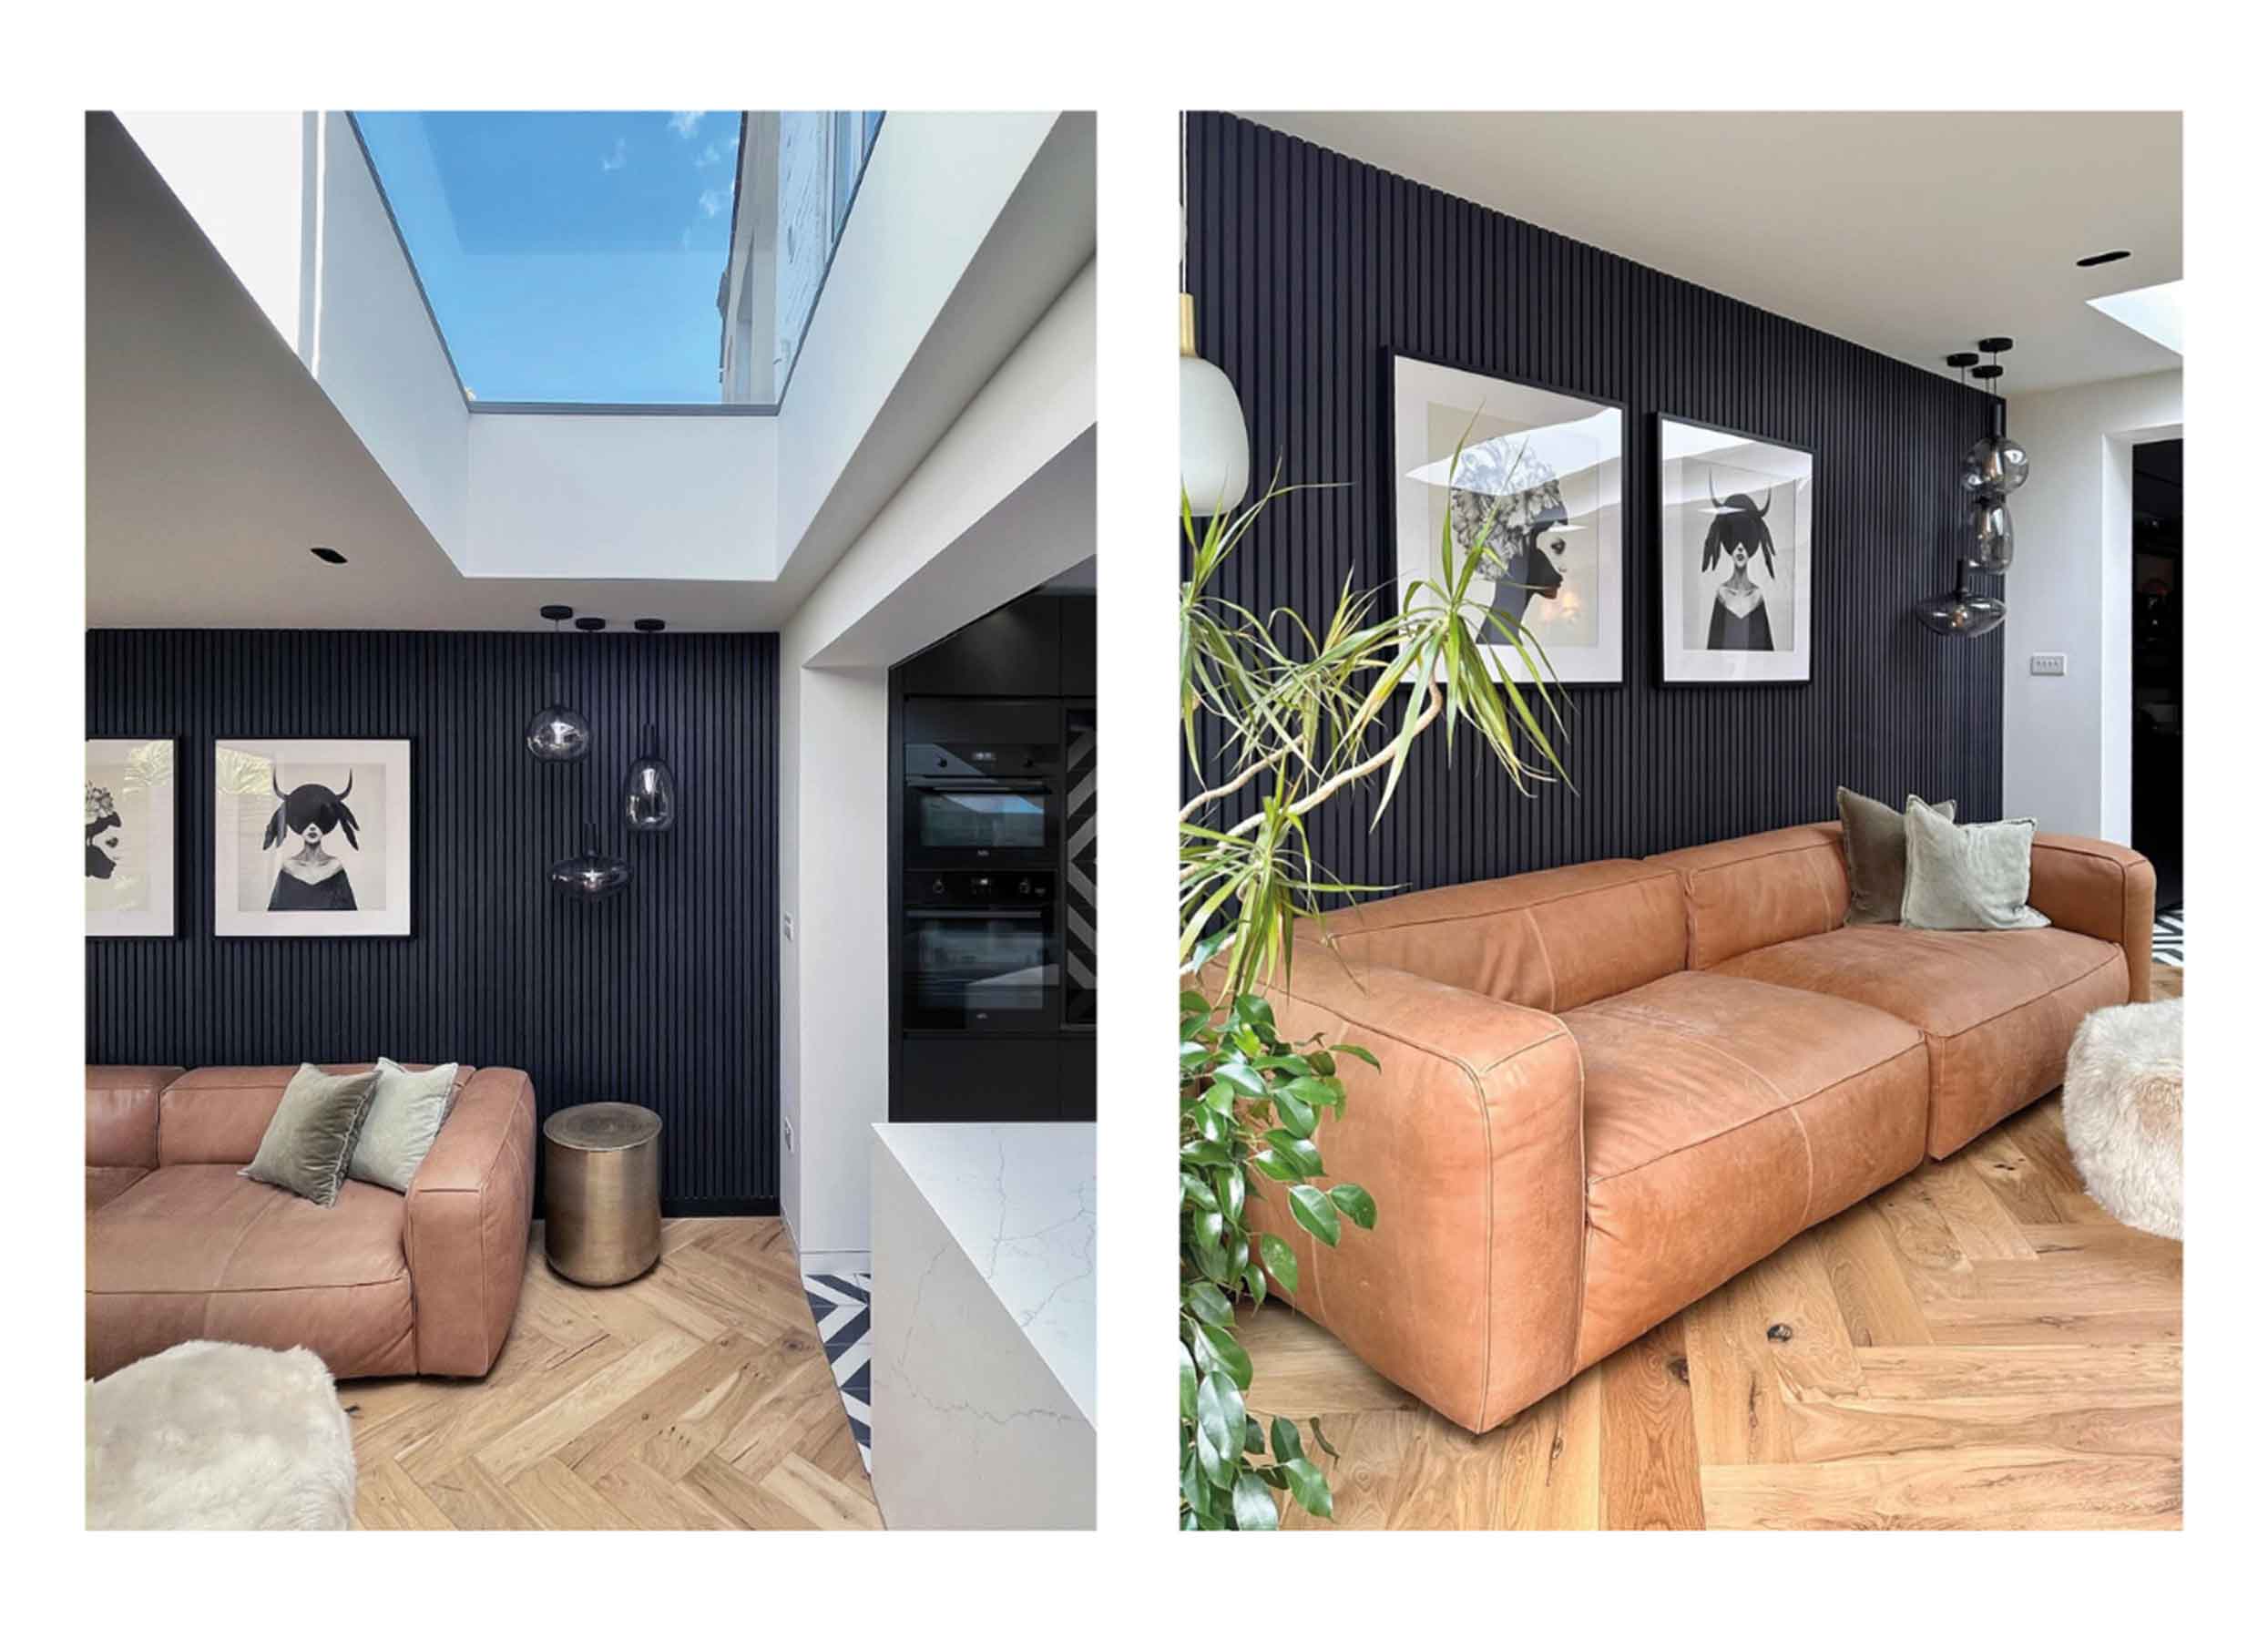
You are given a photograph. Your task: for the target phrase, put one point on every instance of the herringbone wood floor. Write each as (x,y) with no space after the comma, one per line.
(1977,1345)
(696,1397)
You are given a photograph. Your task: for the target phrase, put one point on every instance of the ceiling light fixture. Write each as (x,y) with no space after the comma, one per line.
(1995,466)
(1216,455)
(330,555)
(558,734)
(649,792)
(2101,257)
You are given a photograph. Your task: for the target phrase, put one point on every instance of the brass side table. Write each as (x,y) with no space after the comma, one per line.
(602,1193)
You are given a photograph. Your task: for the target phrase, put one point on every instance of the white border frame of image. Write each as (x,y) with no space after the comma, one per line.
(1419,381)
(1681,665)
(159,919)
(393,922)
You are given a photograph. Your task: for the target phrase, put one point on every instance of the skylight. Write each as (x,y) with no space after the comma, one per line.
(2155,310)
(591,259)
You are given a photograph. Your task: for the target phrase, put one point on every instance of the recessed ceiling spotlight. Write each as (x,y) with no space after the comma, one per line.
(2101,257)
(329,555)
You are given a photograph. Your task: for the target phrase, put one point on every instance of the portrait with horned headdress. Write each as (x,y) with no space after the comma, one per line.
(311,838)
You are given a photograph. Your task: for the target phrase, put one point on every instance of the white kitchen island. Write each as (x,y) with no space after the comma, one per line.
(983,1323)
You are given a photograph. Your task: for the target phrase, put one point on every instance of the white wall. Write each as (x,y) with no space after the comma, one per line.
(1002,503)
(2068,756)
(240,176)
(662,497)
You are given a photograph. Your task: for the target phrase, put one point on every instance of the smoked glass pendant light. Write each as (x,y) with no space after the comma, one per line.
(1216,454)
(592,875)
(558,734)
(649,792)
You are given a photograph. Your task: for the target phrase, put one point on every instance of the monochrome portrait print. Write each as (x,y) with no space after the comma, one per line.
(311,837)
(129,838)
(1734,570)
(1533,477)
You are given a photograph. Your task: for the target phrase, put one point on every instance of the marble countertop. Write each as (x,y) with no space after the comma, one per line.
(1019,1200)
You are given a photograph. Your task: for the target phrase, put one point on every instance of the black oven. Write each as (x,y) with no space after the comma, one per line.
(984,787)
(980,952)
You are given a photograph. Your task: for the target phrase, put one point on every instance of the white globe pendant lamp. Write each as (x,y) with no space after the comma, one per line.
(1216,457)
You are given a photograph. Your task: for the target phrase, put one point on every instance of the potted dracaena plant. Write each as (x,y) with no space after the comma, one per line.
(1303,717)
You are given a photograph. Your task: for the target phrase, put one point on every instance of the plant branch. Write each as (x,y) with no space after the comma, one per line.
(1369,766)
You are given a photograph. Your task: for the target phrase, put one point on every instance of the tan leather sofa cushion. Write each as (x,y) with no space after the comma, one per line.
(194,1251)
(1758,891)
(220,1113)
(122,1114)
(2101,888)
(1998,1010)
(109,1184)
(1721,1116)
(1546,939)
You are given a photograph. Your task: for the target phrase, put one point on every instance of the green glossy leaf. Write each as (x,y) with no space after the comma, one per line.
(1269,1165)
(1189,1384)
(1206,1304)
(1284,1439)
(1194,1189)
(1299,1153)
(1219,1428)
(1255,1012)
(1282,1262)
(1365,1054)
(1255,1438)
(1307,1486)
(1194,1002)
(1354,1202)
(1298,1117)
(1243,1078)
(1255,1505)
(1315,1214)
(1228,1353)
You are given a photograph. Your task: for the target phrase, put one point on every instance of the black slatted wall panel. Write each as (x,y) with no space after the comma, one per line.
(666,996)
(1308,267)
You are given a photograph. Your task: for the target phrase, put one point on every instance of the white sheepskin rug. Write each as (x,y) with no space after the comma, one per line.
(219,1436)
(2122,1112)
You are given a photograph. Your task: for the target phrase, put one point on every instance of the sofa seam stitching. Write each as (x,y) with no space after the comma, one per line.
(1355,930)
(1761,1116)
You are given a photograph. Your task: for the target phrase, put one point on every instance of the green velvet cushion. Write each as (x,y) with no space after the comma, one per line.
(1967,876)
(1874,854)
(405,1117)
(313,1134)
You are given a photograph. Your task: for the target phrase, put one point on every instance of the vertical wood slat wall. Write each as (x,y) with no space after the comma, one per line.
(666,996)
(1309,267)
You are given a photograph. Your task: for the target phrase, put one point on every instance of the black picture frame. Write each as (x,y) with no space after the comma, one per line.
(1658,565)
(1386,558)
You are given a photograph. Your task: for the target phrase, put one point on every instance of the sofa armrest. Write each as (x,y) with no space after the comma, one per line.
(1470,1135)
(470,1206)
(2101,889)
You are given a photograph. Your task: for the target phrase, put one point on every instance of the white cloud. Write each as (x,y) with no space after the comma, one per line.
(684,124)
(619,158)
(714,199)
(711,155)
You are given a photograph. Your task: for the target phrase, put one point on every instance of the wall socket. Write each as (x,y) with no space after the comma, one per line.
(2047,666)
(787,926)
(786,1136)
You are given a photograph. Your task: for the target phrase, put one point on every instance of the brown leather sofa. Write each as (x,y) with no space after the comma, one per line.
(179,1247)
(1608,1089)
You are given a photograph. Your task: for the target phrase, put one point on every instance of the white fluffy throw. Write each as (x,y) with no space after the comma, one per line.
(2122,1112)
(220,1436)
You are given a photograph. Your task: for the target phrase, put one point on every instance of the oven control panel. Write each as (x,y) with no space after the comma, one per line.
(980,889)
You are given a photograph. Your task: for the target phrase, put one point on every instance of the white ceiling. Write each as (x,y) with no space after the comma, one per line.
(1913,235)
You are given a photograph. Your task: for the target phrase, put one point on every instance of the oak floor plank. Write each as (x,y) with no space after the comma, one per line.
(563,1501)
(1985,1489)
(820,1499)
(387,1500)
(2082,1371)
(475,1501)
(1868,1282)
(1650,1472)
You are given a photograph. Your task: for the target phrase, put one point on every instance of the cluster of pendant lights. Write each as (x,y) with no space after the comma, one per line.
(558,733)
(1995,466)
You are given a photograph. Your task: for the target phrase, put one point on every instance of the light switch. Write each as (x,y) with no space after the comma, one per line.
(2047,666)
(787,926)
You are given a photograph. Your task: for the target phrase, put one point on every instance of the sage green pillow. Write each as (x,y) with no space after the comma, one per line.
(405,1116)
(1967,876)
(313,1134)
(1873,856)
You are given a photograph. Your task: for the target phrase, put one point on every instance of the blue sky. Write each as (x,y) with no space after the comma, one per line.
(570,257)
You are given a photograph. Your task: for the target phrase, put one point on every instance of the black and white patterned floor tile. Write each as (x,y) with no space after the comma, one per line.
(839,1305)
(2168,936)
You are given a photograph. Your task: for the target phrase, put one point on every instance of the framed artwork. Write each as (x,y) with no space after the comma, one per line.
(131,800)
(1734,582)
(1539,482)
(311,837)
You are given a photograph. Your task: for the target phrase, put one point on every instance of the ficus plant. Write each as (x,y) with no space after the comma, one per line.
(1303,716)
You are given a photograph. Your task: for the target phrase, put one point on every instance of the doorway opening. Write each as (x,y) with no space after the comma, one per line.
(2157,704)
